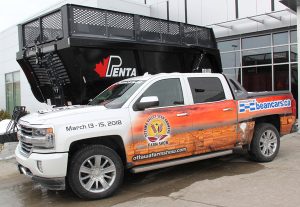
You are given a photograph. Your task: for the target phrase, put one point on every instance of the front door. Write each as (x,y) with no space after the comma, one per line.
(157,131)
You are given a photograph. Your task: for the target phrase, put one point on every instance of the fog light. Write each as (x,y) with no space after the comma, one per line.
(40,166)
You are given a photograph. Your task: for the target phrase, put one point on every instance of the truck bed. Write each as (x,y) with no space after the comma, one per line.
(65,52)
(266,93)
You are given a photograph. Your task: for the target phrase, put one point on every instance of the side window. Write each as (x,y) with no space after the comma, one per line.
(168,91)
(206,89)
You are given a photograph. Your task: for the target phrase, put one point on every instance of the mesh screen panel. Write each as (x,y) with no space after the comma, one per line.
(169,28)
(102,23)
(120,21)
(170,32)
(87,21)
(31,32)
(52,27)
(149,25)
(190,34)
(88,17)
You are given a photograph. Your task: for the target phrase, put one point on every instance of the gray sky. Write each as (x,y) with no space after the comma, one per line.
(13,12)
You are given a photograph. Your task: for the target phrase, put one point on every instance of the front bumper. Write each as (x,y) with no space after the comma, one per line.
(50,172)
(49,183)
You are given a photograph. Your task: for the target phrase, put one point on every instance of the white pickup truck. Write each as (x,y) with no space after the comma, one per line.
(146,123)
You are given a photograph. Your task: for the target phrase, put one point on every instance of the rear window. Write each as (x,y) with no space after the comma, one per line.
(206,89)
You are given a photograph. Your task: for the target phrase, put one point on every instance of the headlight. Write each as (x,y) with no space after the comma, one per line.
(44,138)
(41,138)
(41,132)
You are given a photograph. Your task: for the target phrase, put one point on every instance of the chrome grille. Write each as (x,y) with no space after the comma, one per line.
(27,131)
(26,148)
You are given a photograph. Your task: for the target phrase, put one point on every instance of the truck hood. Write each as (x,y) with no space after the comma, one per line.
(59,113)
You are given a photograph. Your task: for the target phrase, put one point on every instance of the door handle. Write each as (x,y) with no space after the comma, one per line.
(228,109)
(182,114)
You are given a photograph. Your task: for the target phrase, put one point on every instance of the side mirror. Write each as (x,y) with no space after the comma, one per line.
(147,102)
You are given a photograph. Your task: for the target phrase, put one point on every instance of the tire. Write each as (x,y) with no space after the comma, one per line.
(95,172)
(265,143)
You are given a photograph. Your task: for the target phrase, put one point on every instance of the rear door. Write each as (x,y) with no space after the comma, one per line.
(214,114)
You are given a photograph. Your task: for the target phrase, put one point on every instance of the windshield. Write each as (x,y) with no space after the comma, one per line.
(116,95)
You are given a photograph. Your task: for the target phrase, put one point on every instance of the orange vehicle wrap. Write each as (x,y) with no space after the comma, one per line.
(160,135)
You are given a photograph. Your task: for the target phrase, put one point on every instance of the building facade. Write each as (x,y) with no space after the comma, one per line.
(257,40)
(265,61)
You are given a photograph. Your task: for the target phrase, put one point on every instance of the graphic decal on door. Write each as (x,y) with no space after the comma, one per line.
(156,130)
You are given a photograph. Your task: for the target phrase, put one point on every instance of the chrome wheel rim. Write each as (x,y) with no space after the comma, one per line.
(268,143)
(97,173)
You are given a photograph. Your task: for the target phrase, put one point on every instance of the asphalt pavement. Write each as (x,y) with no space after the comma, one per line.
(221,182)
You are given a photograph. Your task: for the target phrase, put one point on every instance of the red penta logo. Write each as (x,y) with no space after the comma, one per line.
(111,67)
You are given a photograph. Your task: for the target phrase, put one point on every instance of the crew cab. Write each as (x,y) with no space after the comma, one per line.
(146,123)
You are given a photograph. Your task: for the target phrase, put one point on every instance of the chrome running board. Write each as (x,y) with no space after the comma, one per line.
(180,161)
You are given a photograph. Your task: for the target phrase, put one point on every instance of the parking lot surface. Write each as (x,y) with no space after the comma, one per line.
(222,182)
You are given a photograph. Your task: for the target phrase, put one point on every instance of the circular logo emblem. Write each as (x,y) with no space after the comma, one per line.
(157,129)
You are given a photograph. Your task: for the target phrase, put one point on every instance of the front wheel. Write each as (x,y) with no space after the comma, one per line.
(95,172)
(265,143)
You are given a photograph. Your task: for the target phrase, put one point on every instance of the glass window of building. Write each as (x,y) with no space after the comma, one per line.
(12,89)
(281,77)
(253,64)
(231,59)
(294,53)
(231,45)
(234,73)
(293,36)
(254,42)
(257,78)
(281,54)
(281,38)
(257,57)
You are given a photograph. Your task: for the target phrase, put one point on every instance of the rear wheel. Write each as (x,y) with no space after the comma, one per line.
(265,143)
(95,172)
